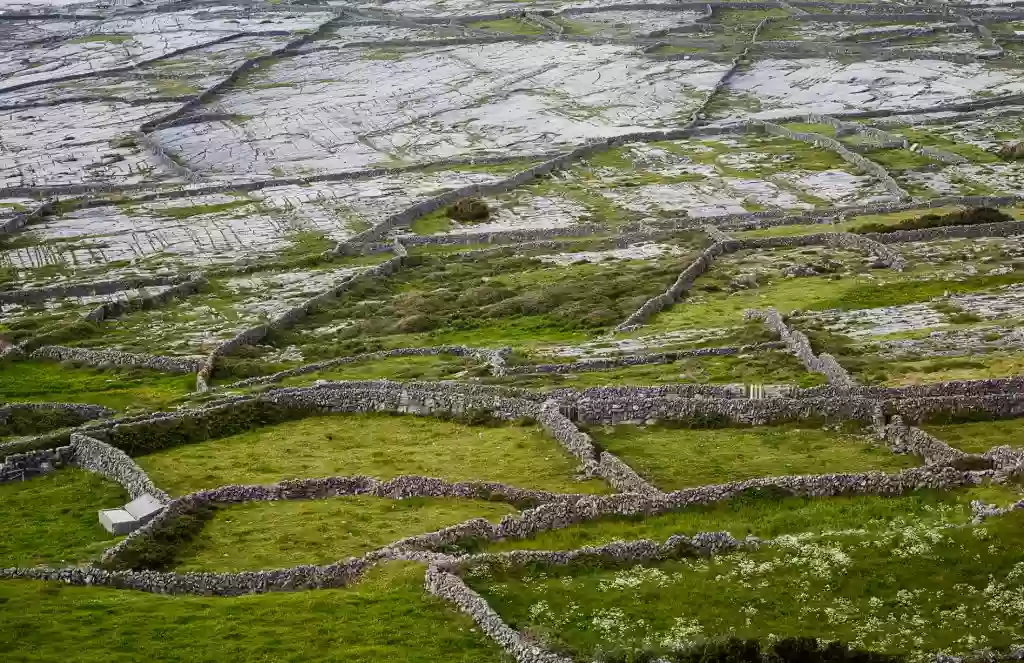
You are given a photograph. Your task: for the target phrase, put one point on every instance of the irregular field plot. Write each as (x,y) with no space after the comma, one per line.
(386,617)
(675,458)
(392,368)
(266,535)
(129,389)
(760,514)
(482,303)
(379,446)
(980,436)
(769,367)
(817,293)
(52,519)
(917,588)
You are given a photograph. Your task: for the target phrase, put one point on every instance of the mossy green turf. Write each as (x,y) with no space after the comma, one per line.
(766,517)
(52,519)
(980,436)
(381,446)
(386,617)
(271,535)
(675,458)
(918,589)
(127,389)
(761,368)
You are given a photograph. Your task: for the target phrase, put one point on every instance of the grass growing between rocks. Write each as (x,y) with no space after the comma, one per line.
(513,26)
(980,436)
(386,617)
(376,445)
(121,389)
(914,588)
(768,516)
(820,293)
(938,369)
(52,519)
(270,535)
(676,458)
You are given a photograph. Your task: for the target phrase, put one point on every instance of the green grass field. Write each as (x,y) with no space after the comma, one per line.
(980,436)
(912,587)
(268,535)
(130,389)
(675,458)
(380,446)
(53,519)
(386,617)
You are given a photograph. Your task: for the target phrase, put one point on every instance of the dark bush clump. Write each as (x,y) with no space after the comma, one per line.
(734,650)
(966,217)
(469,210)
(159,551)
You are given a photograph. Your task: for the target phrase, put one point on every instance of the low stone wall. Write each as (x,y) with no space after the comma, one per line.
(835,146)
(558,515)
(999,229)
(19,467)
(289,318)
(118,358)
(203,584)
(681,285)
(63,291)
(20,220)
(886,257)
(113,309)
(594,463)
(451,588)
(798,344)
(399,488)
(99,457)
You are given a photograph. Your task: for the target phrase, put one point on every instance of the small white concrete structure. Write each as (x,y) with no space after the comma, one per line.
(134,515)
(118,521)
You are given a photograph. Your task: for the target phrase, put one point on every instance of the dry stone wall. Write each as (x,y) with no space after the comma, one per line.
(116,308)
(594,462)
(99,457)
(798,344)
(105,358)
(818,140)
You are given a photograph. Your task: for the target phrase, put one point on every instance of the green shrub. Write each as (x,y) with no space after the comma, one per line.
(967,217)
(159,550)
(734,650)
(469,210)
